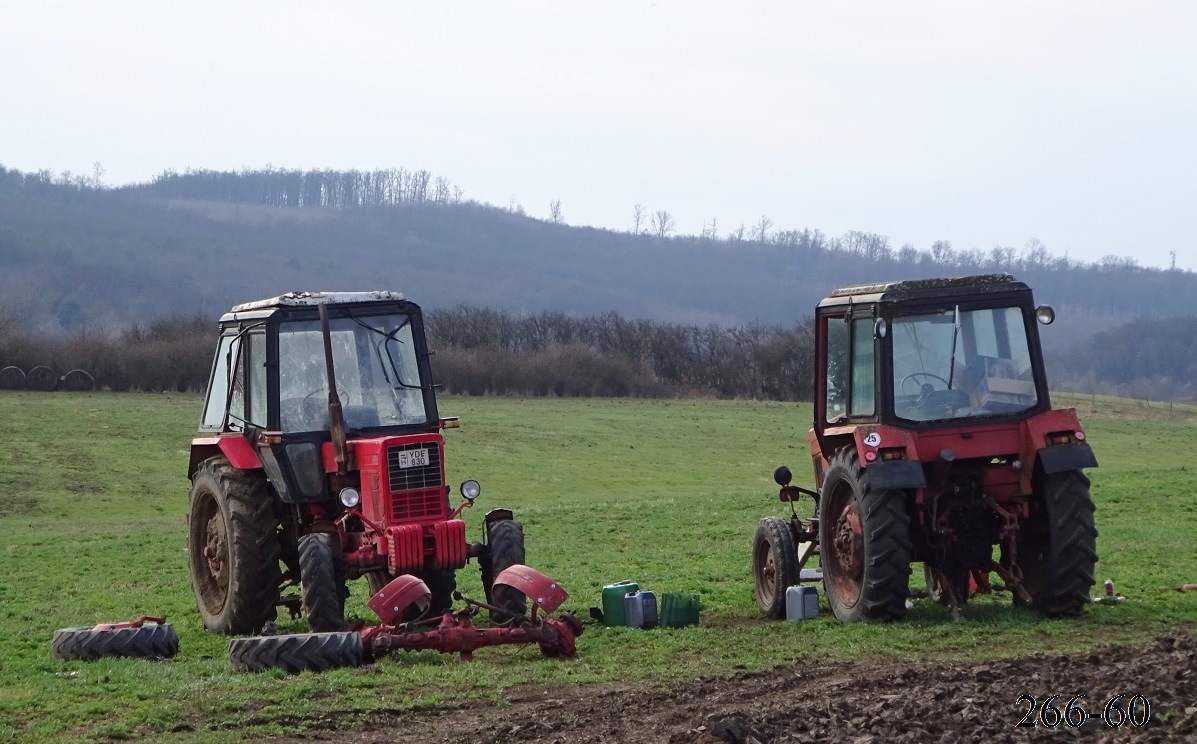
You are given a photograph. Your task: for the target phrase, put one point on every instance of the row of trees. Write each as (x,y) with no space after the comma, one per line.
(482,351)
(312,188)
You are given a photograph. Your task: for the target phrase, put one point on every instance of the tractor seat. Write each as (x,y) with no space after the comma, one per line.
(360,417)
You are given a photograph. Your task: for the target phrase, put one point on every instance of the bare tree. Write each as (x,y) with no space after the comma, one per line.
(711,232)
(663,223)
(737,233)
(941,251)
(1034,254)
(760,231)
(637,218)
(97,175)
(555,212)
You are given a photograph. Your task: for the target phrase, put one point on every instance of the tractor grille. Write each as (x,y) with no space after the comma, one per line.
(418,491)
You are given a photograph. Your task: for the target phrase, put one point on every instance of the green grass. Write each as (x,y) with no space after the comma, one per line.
(93,495)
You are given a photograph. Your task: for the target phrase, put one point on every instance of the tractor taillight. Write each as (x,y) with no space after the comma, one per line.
(893,453)
(1061,437)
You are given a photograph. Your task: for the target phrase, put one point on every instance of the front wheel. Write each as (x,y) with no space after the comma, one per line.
(774,565)
(505,539)
(1057,551)
(322,585)
(864,544)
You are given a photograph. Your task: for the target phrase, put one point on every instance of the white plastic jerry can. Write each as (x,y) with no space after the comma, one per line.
(802,603)
(640,609)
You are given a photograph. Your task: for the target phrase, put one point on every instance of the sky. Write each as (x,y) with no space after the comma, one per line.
(984,124)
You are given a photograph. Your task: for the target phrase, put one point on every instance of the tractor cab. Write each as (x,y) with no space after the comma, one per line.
(930,354)
(320,448)
(270,371)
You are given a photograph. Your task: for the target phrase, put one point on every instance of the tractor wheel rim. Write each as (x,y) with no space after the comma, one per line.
(845,559)
(766,573)
(216,550)
(849,542)
(211,560)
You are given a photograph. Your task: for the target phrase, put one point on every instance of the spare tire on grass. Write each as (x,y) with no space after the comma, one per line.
(149,641)
(299,652)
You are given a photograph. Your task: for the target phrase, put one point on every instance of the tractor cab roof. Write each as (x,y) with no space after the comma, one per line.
(923,289)
(302,299)
(262,308)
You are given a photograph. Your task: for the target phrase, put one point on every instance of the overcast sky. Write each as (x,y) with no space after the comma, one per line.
(982,124)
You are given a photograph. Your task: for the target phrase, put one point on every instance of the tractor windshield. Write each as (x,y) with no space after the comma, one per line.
(374,359)
(961,363)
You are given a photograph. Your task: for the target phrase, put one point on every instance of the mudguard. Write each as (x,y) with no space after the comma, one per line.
(1061,457)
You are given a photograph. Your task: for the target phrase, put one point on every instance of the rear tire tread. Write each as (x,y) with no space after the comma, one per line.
(144,642)
(300,652)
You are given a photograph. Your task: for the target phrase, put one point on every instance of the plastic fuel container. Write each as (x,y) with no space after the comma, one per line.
(613,594)
(640,610)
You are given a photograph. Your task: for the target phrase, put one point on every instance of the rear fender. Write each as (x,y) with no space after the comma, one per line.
(890,455)
(1057,458)
(235,448)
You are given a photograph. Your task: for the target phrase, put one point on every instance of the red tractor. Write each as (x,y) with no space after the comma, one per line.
(320,459)
(934,440)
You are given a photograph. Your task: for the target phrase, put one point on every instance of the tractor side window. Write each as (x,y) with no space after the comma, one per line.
(255,362)
(837,368)
(223,367)
(864,384)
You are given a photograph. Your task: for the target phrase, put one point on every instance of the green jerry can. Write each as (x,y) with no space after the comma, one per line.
(613,594)
(679,610)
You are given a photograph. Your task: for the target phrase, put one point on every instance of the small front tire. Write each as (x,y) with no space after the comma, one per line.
(322,586)
(505,538)
(774,566)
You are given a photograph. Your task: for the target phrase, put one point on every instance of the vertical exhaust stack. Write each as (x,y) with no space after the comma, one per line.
(336,419)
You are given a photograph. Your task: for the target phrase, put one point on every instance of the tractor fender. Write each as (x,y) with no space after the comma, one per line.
(1056,458)
(896,474)
(236,448)
(1060,457)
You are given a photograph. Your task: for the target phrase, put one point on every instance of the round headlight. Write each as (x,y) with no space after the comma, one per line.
(1044,314)
(350,497)
(470,489)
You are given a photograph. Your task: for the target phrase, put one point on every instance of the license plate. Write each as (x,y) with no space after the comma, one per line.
(413,458)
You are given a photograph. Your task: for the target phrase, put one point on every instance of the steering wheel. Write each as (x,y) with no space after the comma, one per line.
(924,386)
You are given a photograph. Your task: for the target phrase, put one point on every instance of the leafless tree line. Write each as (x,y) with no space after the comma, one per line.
(481,352)
(312,188)
(484,351)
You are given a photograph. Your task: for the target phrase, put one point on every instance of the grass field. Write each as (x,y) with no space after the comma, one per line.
(93,496)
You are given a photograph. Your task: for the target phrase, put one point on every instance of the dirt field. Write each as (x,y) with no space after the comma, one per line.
(863,703)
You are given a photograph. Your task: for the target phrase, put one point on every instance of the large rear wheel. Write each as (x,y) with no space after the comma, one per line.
(232,547)
(322,589)
(864,544)
(774,565)
(1057,551)
(505,538)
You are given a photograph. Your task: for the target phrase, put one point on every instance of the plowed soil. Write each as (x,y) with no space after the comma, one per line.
(858,702)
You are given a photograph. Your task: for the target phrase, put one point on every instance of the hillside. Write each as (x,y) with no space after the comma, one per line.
(75,255)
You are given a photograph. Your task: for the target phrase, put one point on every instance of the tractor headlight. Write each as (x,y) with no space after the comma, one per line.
(470,489)
(1044,314)
(350,497)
